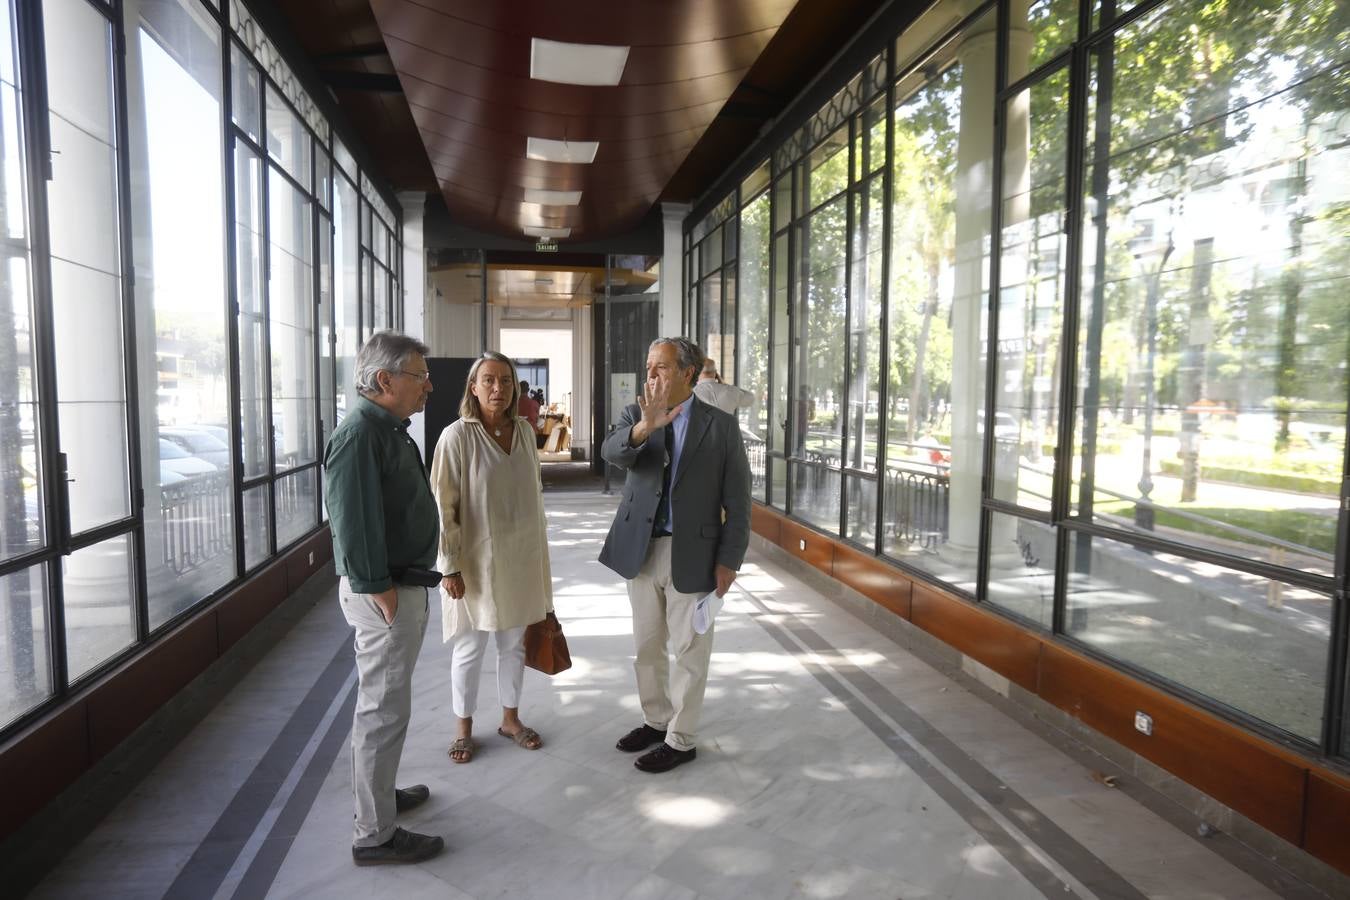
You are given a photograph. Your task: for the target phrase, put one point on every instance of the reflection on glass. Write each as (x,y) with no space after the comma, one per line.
(1257,645)
(290,310)
(817,421)
(752,364)
(779,353)
(288,140)
(710,309)
(85,265)
(1031,274)
(327,408)
(248,231)
(1215,332)
(244,93)
(347,290)
(815,494)
(1022,567)
(937,312)
(21,512)
(178,217)
(295,497)
(98,587)
(25,675)
(257,525)
(1049,28)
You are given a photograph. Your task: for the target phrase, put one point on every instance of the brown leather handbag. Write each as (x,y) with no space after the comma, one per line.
(546,646)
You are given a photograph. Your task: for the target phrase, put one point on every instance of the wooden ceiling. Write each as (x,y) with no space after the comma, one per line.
(440,90)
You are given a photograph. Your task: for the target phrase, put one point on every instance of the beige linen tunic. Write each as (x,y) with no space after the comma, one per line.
(492,529)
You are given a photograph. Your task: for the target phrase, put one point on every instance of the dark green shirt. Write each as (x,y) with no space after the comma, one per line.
(380,507)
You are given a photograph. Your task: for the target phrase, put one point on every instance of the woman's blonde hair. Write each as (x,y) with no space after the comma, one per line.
(468,404)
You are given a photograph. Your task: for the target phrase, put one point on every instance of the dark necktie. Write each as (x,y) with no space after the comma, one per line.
(661,523)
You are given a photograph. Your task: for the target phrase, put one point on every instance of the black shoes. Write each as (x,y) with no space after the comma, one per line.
(640,738)
(411,797)
(403,847)
(664,758)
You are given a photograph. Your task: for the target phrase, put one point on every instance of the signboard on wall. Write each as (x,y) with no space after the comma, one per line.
(622,391)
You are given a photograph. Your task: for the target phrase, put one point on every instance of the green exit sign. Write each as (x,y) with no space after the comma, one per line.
(546,245)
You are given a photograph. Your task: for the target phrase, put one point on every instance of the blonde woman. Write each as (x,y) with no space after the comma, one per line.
(493,547)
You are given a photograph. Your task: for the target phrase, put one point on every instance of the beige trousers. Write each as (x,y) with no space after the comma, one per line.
(663,624)
(385,656)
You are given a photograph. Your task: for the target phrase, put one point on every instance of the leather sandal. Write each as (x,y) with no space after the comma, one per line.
(525,737)
(463,746)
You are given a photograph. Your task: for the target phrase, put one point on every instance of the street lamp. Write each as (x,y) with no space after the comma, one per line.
(1143,510)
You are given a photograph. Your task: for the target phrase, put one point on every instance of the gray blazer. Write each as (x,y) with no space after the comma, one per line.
(713,478)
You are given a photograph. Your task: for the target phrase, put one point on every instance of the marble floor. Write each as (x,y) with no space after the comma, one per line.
(832,764)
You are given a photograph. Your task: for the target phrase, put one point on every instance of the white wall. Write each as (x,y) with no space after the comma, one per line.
(549,343)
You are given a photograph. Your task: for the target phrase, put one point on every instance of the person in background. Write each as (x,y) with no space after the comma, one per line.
(528,407)
(680,531)
(384,526)
(711,389)
(493,546)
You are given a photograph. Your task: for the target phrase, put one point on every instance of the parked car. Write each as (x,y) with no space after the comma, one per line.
(199,442)
(175,460)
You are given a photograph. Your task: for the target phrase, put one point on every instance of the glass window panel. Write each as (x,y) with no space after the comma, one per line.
(1257,645)
(916,41)
(98,586)
(864,330)
(288,140)
(1213,383)
(347,290)
(21,476)
(710,254)
(729,237)
(323,169)
(860,495)
(257,525)
(710,316)
(782,202)
(815,494)
(818,420)
(178,217)
(327,397)
(752,348)
(1021,567)
(290,305)
(343,157)
(1031,291)
(297,498)
(248,230)
(1051,26)
(755,182)
(826,171)
(25,673)
(869,144)
(85,266)
(245,93)
(726,352)
(937,315)
(777,482)
(781,350)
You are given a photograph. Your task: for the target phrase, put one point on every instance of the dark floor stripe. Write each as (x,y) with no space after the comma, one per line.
(262,871)
(211,862)
(1057,844)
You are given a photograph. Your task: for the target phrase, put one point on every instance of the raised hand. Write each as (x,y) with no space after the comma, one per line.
(652,403)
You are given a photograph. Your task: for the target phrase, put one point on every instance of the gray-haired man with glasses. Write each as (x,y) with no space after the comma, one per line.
(385,529)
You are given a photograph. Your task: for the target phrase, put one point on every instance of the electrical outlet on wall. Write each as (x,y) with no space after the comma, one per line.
(1143,723)
(311,557)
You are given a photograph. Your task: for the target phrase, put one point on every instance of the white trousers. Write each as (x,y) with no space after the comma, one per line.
(663,624)
(466,665)
(385,656)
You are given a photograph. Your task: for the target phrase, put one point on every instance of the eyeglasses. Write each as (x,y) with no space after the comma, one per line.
(423,377)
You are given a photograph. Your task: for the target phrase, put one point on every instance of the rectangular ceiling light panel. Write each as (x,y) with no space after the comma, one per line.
(547,232)
(588,64)
(552,198)
(550,150)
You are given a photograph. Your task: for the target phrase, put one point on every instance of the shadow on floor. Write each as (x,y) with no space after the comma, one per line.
(570,476)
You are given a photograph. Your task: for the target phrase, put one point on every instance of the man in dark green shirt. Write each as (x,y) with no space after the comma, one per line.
(385,528)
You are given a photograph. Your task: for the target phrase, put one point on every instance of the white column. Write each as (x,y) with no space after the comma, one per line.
(582,373)
(672,267)
(414,286)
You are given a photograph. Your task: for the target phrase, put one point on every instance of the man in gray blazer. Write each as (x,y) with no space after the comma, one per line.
(681,530)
